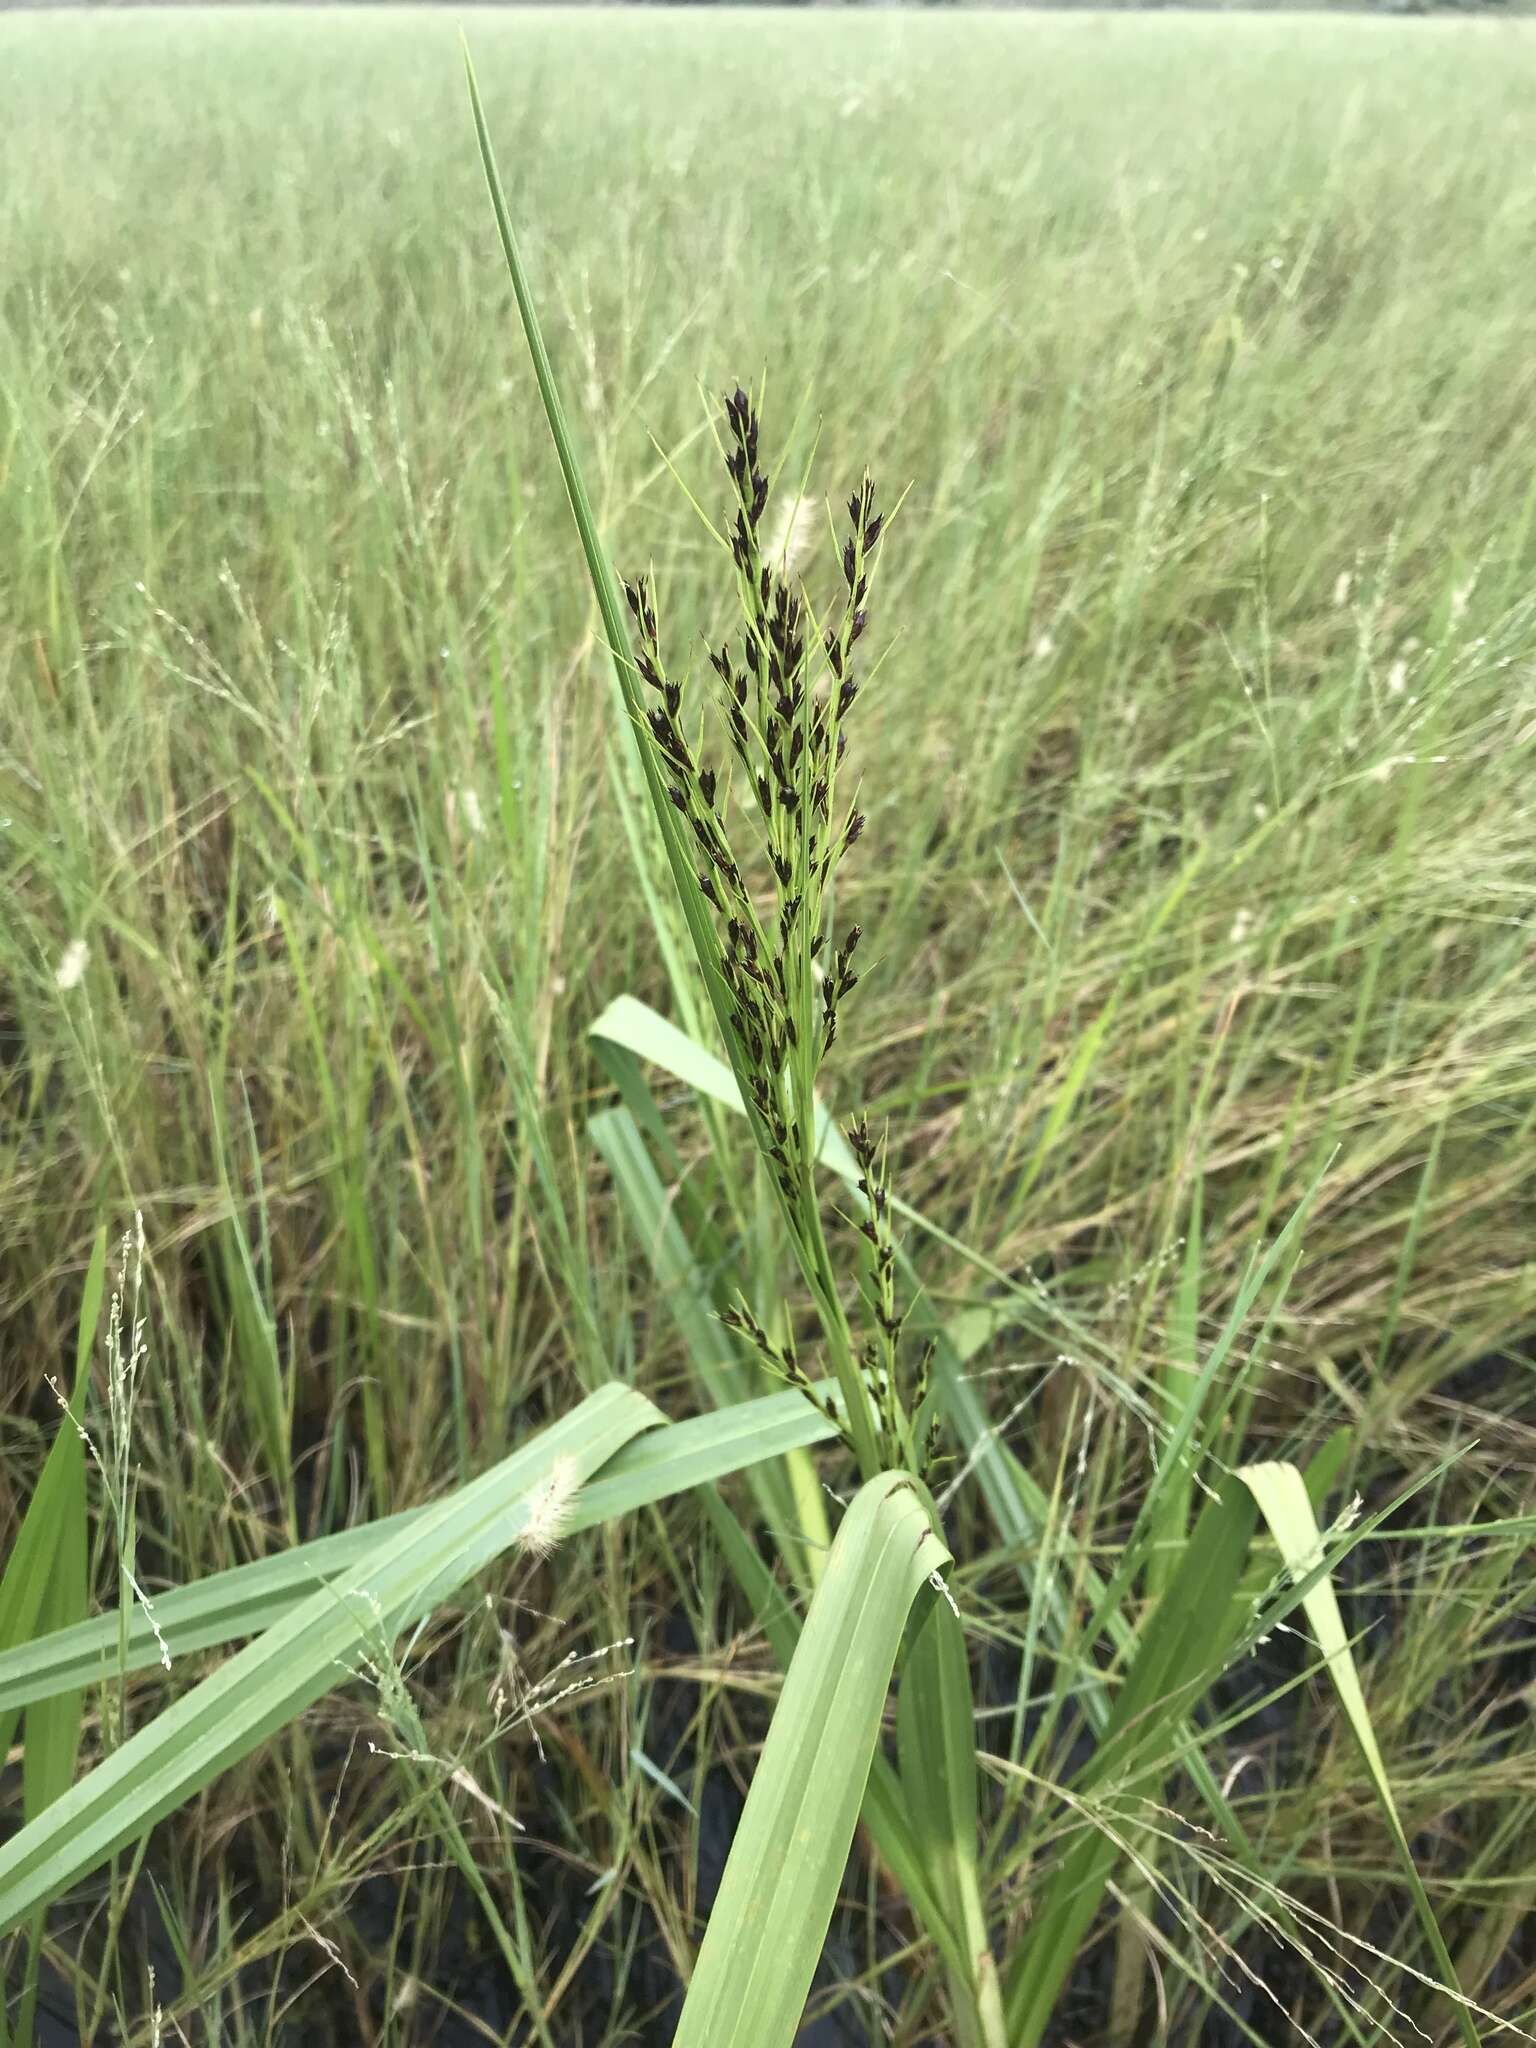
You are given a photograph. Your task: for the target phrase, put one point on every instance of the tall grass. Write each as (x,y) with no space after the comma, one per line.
(1196,876)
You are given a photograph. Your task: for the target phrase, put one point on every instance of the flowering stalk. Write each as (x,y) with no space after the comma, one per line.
(786,684)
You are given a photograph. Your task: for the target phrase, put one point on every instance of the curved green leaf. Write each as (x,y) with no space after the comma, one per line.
(1283,1499)
(766,1931)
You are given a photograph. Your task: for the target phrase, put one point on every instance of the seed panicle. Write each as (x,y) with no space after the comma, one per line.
(785,681)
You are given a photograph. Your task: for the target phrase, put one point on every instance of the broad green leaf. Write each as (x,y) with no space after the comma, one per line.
(251,1597)
(305,1654)
(1282,1496)
(621,1135)
(775,1902)
(885,1807)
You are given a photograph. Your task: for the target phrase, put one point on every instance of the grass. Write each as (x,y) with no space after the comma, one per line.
(1195,885)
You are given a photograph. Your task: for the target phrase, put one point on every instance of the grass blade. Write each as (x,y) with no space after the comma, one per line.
(45,1588)
(775,1902)
(605,586)
(60,1493)
(936,1745)
(1283,1499)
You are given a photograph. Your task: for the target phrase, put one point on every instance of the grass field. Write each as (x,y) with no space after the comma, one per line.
(1198,876)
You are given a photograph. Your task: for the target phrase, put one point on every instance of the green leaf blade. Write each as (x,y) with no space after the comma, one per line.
(780,1886)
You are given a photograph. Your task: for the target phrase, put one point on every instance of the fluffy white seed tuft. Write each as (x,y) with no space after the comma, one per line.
(791,540)
(70,971)
(549,1509)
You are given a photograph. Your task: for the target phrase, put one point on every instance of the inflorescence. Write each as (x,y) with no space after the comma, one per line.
(786,683)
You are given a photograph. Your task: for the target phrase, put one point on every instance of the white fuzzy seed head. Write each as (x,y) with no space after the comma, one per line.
(549,1509)
(70,971)
(792,538)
